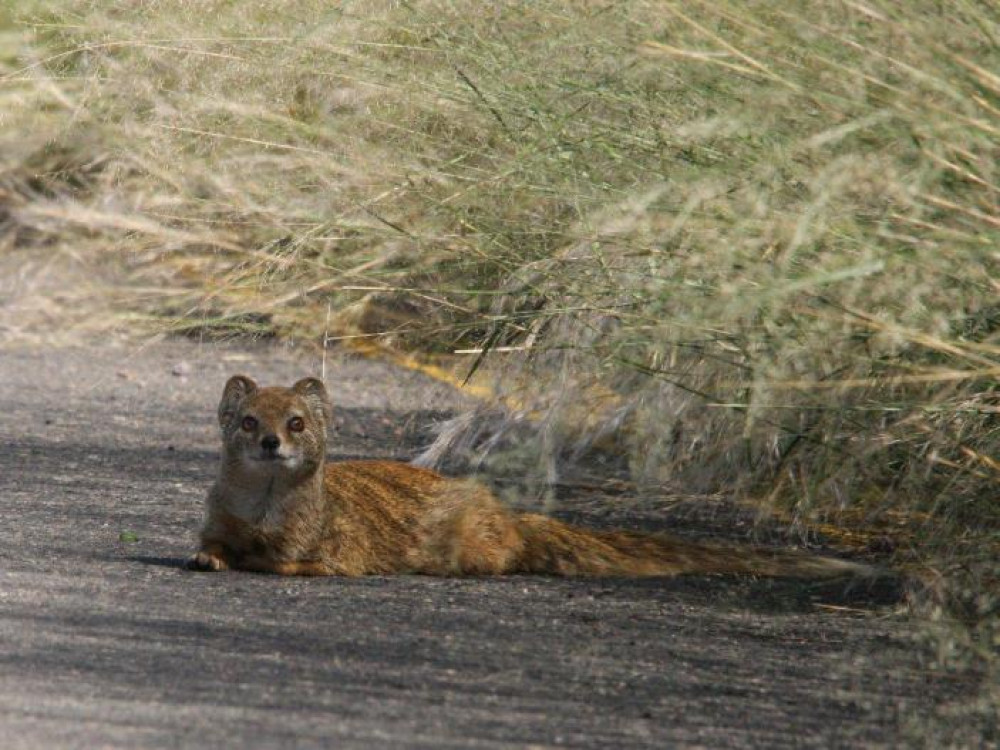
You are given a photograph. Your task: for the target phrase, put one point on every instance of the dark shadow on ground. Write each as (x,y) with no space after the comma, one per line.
(177,563)
(731,592)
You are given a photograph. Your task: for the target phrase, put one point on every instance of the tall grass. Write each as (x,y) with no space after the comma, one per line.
(755,243)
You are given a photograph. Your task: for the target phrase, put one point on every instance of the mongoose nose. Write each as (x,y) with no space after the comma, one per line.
(270,443)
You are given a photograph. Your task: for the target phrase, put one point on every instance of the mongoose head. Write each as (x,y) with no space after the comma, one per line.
(274,431)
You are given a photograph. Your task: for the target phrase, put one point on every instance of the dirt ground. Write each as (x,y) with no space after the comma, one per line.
(106,642)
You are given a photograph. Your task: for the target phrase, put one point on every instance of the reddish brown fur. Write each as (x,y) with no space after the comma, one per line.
(292,514)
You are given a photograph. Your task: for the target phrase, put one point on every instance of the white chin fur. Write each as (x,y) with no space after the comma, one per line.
(269,465)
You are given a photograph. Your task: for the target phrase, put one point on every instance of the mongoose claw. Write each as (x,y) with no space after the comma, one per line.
(206,562)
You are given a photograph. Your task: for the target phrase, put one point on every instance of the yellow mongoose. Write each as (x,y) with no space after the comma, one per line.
(278,507)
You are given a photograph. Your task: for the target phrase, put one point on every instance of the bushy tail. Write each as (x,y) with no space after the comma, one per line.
(556,548)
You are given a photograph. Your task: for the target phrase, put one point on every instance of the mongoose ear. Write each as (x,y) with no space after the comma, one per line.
(315,395)
(237,389)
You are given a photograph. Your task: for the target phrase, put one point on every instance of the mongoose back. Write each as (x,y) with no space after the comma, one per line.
(277,506)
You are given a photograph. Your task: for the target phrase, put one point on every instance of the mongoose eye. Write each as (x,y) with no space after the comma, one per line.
(295,424)
(249,424)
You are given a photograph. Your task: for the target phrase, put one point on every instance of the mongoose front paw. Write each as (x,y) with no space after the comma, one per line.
(206,561)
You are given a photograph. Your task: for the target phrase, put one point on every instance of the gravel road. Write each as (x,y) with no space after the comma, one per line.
(105,642)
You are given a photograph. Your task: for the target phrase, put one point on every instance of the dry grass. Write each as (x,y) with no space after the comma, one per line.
(762,236)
